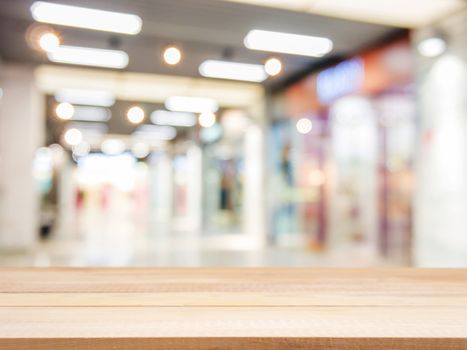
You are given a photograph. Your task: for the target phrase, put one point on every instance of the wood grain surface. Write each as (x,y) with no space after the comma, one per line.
(208,309)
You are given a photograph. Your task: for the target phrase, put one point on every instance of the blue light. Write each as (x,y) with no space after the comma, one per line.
(340,80)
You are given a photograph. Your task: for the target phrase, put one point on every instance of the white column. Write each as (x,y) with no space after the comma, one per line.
(254,199)
(194,188)
(21,133)
(161,187)
(441,179)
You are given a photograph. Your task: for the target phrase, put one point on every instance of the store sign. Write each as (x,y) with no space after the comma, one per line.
(343,79)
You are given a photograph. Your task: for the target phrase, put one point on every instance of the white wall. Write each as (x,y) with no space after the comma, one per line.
(441,181)
(21,132)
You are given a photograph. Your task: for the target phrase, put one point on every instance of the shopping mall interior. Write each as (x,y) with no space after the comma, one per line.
(233,133)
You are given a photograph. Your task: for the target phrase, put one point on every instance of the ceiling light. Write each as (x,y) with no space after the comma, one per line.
(87,128)
(172,55)
(273,66)
(207,119)
(86,97)
(232,70)
(113,147)
(91,114)
(432,47)
(140,149)
(64,110)
(304,125)
(135,115)
(73,137)
(155,132)
(293,44)
(81,17)
(161,117)
(191,104)
(87,56)
(49,42)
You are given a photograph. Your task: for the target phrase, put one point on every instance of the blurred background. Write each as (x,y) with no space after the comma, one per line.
(233,133)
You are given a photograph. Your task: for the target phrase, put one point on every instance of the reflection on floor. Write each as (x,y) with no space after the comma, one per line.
(122,236)
(128,248)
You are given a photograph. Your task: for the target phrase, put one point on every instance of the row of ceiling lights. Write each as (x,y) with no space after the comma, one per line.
(131,24)
(110,146)
(93,107)
(136,115)
(122,23)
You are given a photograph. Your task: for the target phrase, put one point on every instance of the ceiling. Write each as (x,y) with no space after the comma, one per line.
(151,88)
(400,13)
(203,29)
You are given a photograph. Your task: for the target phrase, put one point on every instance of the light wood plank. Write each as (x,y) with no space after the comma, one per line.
(251,343)
(233,309)
(205,298)
(302,322)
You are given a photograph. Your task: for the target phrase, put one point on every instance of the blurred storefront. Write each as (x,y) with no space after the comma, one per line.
(342,152)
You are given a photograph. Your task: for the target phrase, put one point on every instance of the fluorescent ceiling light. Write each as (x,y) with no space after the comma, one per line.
(161,117)
(91,114)
(191,104)
(233,70)
(85,97)
(293,44)
(155,132)
(81,17)
(87,56)
(89,128)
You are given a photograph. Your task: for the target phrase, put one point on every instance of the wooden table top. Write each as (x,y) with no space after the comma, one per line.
(223,309)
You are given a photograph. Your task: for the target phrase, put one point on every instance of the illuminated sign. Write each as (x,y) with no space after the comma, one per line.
(339,80)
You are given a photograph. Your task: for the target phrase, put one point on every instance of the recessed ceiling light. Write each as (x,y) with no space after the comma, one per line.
(135,115)
(172,55)
(64,110)
(207,119)
(273,66)
(232,70)
(294,44)
(49,41)
(82,17)
(191,104)
(86,97)
(161,117)
(73,137)
(87,56)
